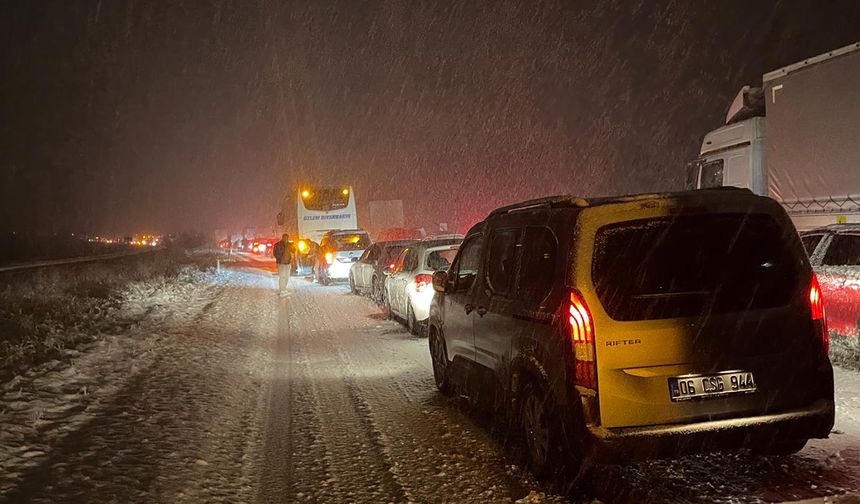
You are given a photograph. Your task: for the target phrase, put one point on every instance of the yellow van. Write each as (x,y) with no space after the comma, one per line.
(638,326)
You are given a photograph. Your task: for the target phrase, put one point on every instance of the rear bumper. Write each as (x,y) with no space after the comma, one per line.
(812,421)
(421,304)
(339,270)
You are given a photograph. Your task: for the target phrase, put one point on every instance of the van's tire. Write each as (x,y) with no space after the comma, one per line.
(352,287)
(549,454)
(778,447)
(411,323)
(441,365)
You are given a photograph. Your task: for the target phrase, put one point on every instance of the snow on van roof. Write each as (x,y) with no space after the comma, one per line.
(569,200)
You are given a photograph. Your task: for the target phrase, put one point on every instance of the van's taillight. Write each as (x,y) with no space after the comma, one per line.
(582,337)
(816,306)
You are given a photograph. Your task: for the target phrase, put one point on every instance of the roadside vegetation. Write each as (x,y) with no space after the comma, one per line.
(52,313)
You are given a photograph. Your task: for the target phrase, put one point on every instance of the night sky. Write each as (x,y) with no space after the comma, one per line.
(122,116)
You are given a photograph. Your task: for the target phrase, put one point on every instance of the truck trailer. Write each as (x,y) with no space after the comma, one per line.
(796,138)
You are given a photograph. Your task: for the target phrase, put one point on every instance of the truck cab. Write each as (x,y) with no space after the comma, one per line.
(793,139)
(735,154)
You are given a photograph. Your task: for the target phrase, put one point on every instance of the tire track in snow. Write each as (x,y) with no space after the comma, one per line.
(295,461)
(360,469)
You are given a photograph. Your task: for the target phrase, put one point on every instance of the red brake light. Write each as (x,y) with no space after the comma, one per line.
(422,281)
(816,303)
(582,338)
(816,307)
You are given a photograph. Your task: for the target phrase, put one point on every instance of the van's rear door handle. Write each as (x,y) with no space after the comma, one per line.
(482,311)
(469,308)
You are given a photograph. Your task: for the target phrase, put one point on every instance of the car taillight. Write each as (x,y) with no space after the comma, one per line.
(329,257)
(816,307)
(582,338)
(422,281)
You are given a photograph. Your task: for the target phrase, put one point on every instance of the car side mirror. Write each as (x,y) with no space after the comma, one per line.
(440,279)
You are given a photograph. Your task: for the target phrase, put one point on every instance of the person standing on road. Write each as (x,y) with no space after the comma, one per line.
(284,259)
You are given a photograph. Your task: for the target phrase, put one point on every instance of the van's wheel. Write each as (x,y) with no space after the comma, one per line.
(324,279)
(411,324)
(535,427)
(549,454)
(439,357)
(779,447)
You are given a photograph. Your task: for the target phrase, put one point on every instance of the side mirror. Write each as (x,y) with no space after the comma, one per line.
(440,278)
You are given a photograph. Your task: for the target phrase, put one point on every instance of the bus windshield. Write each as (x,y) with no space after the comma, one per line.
(322,209)
(325,199)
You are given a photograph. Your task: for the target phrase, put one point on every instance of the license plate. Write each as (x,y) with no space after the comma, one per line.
(684,388)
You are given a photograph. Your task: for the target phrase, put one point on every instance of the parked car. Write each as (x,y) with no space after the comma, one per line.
(368,273)
(263,246)
(637,326)
(409,287)
(337,251)
(834,252)
(444,239)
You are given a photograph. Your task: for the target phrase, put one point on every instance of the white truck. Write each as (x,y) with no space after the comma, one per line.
(796,139)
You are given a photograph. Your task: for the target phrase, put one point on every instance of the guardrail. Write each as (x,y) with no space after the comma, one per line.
(77,260)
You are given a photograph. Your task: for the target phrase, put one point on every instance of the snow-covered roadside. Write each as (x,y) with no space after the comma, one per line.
(55,398)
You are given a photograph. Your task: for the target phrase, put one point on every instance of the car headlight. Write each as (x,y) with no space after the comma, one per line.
(329,257)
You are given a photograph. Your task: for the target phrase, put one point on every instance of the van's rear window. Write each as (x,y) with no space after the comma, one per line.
(689,265)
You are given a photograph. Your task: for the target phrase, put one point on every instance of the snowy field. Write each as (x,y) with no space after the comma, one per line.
(222,392)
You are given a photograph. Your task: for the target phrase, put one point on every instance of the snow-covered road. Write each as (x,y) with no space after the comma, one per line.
(234,395)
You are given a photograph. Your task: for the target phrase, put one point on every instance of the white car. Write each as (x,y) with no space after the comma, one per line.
(409,287)
(338,250)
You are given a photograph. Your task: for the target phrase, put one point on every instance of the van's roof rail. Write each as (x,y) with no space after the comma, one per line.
(569,200)
(548,202)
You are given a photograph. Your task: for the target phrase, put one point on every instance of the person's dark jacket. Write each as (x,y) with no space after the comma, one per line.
(282,253)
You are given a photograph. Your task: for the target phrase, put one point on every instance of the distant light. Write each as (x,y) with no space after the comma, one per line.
(345,192)
(305,193)
(144,242)
(303,246)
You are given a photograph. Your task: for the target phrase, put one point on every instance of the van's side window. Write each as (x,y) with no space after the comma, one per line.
(538,265)
(468,262)
(502,263)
